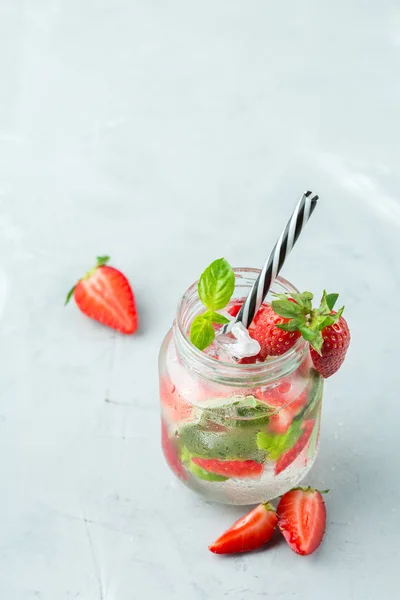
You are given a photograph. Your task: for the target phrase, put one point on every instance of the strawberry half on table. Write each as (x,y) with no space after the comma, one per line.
(249,532)
(302,519)
(105,295)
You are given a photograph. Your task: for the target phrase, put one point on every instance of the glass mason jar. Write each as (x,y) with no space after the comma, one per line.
(237,433)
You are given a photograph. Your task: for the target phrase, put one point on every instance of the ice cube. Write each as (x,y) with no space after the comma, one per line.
(238,342)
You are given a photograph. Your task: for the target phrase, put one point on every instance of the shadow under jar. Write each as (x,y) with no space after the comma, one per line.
(237,433)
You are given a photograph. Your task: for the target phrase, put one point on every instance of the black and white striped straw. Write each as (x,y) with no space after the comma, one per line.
(303,211)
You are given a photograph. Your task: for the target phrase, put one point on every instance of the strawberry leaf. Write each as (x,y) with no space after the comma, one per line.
(102,260)
(286,309)
(215,317)
(317,342)
(329,320)
(331,300)
(309,334)
(201,332)
(292,325)
(69,295)
(216,285)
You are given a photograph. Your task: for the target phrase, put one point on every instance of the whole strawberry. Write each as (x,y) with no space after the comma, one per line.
(272,339)
(104,294)
(336,341)
(278,327)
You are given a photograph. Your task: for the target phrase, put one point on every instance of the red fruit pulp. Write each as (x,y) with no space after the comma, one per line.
(230,468)
(302,519)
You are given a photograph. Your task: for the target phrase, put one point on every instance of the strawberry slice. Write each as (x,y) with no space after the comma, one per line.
(249,532)
(233,310)
(171,454)
(288,457)
(104,294)
(230,468)
(283,418)
(302,519)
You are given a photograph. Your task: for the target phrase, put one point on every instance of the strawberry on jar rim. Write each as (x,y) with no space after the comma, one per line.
(291,315)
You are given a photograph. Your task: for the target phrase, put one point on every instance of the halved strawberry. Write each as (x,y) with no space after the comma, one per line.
(302,519)
(288,457)
(171,453)
(230,468)
(104,294)
(249,532)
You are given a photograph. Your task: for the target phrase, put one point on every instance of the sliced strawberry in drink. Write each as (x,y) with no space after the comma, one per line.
(234,308)
(249,532)
(175,406)
(286,459)
(283,418)
(250,360)
(171,453)
(230,468)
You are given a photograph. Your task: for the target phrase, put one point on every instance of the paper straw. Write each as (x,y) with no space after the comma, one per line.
(303,211)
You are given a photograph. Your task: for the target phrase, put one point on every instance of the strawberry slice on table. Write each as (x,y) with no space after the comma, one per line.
(230,468)
(105,295)
(288,457)
(302,519)
(249,532)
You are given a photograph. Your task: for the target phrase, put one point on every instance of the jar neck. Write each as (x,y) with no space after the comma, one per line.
(233,374)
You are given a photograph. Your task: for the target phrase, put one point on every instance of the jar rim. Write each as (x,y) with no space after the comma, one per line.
(235,373)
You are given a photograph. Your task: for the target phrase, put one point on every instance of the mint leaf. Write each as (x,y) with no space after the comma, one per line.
(206,475)
(275,445)
(201,332)
(215,317)
(286,309)
(231,443)
(216,285)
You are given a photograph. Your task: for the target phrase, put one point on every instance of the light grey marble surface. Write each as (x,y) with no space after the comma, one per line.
(167,134)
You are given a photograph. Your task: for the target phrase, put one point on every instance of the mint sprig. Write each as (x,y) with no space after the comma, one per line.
(302,317)
(215,289)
